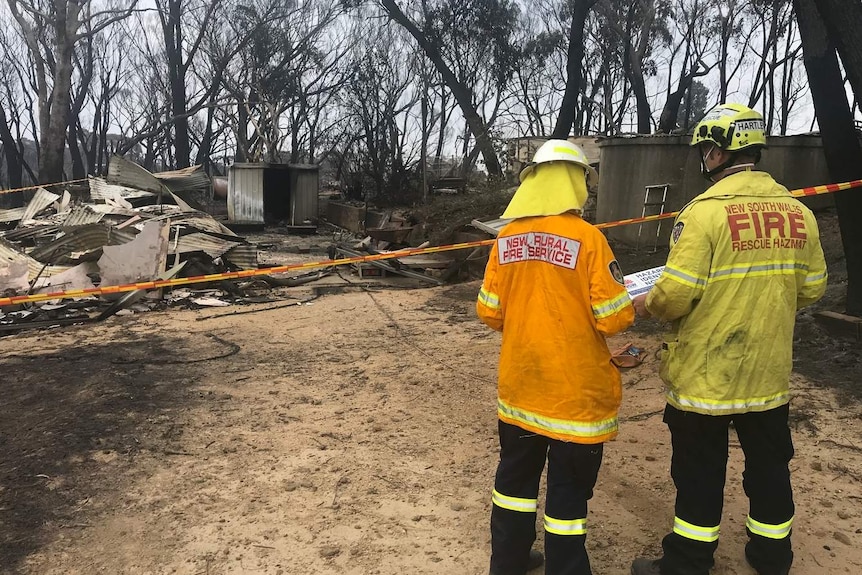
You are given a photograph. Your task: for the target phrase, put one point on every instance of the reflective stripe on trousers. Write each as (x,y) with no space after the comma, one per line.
(521,504)
(771,531)
(695,532)
(566,526)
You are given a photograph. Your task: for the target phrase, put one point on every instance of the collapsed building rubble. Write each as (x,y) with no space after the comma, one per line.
(134,226)
(129,227)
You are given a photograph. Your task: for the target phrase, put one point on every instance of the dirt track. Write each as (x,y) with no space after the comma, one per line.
(353,435)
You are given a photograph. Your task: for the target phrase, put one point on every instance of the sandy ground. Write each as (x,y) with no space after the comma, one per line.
(353,434)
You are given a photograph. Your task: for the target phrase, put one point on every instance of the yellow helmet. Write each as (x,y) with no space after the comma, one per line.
(561,151)
(731,127)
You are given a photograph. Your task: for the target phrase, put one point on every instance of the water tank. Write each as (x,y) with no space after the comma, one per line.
(630,163)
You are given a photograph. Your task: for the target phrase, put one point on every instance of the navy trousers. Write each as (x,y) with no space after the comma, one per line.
(572,472)
(698,469)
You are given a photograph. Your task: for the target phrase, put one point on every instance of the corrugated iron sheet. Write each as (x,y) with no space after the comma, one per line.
(245,193)
(9,254)
(31,232)
(304,190)
(206,224)
(34,268)
(125,173)
(102,191)
(243,256)
(179,173)
(186,179)
(192,184)
(202,242)
(41,200)
(82,239)
(112,210)
(163,212)
(82,215)
(11,215)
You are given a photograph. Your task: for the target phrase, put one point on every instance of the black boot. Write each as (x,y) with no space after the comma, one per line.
(754,564)
(536,560)
(644,566)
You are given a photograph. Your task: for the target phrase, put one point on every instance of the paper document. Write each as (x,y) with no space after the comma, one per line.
(640,282)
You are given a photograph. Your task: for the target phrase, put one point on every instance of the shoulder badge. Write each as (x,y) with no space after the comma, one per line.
(616,272)
(677,231)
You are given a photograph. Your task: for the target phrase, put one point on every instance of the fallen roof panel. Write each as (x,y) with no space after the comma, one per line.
(102,191)
(207,223)
(12,214)
(81,239)
(191,179)
(35,268)
(41,200)
(126,173)
(202,242)
(83,215)
(244,256)
(31,232)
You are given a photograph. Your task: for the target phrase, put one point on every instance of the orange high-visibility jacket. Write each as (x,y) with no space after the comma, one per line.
(554,289)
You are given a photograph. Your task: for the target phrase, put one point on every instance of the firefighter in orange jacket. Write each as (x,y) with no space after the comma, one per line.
(554,289)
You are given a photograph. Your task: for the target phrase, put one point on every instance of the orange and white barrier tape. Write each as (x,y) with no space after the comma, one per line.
(802,192)
(245,274)
(826,188)
(37,186)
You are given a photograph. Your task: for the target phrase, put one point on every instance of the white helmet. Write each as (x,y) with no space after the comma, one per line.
(560,151)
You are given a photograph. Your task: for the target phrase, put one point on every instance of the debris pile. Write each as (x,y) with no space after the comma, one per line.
(130,227)
(387,233)
(135,226)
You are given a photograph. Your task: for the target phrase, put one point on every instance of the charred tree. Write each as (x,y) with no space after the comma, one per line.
(462,93)
(574,69)
(840,139)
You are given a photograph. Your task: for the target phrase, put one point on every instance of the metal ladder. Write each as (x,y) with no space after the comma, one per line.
(654,206)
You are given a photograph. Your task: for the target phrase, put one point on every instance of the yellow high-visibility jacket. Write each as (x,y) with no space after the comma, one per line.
(554,289)
(744,256)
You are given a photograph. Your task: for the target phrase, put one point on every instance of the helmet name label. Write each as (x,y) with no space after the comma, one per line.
(538,246)
(749,125)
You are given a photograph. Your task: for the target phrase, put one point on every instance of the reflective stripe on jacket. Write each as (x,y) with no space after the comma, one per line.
(550,287)
(745,255)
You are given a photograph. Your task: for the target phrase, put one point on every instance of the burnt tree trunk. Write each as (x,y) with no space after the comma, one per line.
(461,93)
(574,69)
(843,19)
(78,168)
(173,33)
(14,167)
(840,140)
(54,136)
(636,73)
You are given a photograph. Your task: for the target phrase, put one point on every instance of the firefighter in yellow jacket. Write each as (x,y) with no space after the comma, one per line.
(744,256)
(554,289)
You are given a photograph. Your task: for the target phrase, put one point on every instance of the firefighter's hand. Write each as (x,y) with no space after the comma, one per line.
(640,306)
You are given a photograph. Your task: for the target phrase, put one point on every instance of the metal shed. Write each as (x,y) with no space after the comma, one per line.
(304,191)
(245,194)
(284,194)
